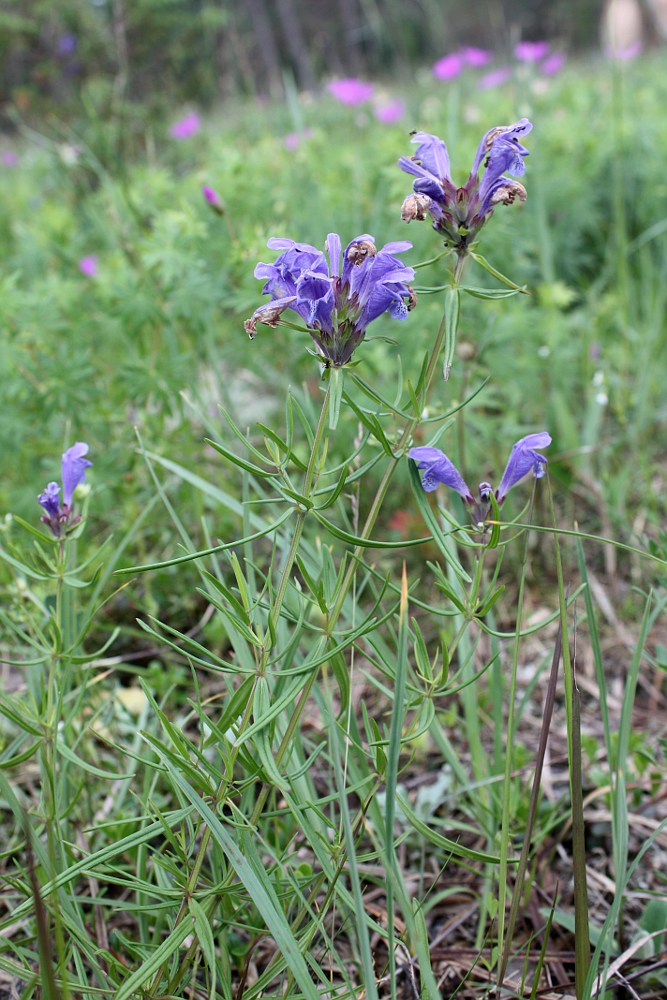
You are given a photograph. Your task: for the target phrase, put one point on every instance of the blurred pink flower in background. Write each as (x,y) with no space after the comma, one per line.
(293,140)
(475,57)
(448,67)
(88,265)
(350,91)
(553,64)
(213,199)
(496,78)
(9,158)
(186,127)
(390,112)
(624,54)
(530,52)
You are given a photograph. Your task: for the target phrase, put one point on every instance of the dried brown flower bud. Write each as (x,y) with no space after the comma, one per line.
(508,193)
(358,252)
(415,206)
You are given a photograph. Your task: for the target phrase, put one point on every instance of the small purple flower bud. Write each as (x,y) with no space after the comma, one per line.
(213,198)
(49,499)
(88,265)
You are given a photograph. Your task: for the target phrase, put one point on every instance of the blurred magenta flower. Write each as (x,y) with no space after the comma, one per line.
(186,127)
(459,213)
(476,57)
(625,54)
(9,158)
(350,91)
(88,265)
(448,67)
(73,469)
(437,468)
(531,52)
(495,78)
(391,112)
(553,64)
(213,198)
(336,304)
(293,140)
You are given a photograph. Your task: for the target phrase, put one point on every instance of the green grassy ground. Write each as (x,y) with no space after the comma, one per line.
(278,770)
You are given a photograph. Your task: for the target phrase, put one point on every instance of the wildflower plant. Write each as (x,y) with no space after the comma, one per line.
(289,611)
(276,800)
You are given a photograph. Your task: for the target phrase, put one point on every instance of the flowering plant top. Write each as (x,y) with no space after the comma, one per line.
(336,303)
(437,468)
(60,516)
(459,213)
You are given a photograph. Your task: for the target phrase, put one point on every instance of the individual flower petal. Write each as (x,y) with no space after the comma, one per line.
(431,153)
(523,459)
(437,468)
(350,91)
(74,466)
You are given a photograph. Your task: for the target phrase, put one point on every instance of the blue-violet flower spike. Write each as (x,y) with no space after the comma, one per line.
(459,213)
(60,516)
(336,303)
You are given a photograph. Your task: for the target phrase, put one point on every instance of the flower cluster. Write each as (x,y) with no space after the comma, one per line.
(437,468)
(336,303)
(60,516)
(459,213)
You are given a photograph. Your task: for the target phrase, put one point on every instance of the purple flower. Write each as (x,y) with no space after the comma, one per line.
(553,64)
(531,52)
(186,127)
(59,517)
(88,265)
(437,468)
(67,44)
(213,198)
(9,158)
(350,91)
(476,57)
(293,140)
(459,213)
(496,78)
(336,304)
(449,67)
(391,112)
